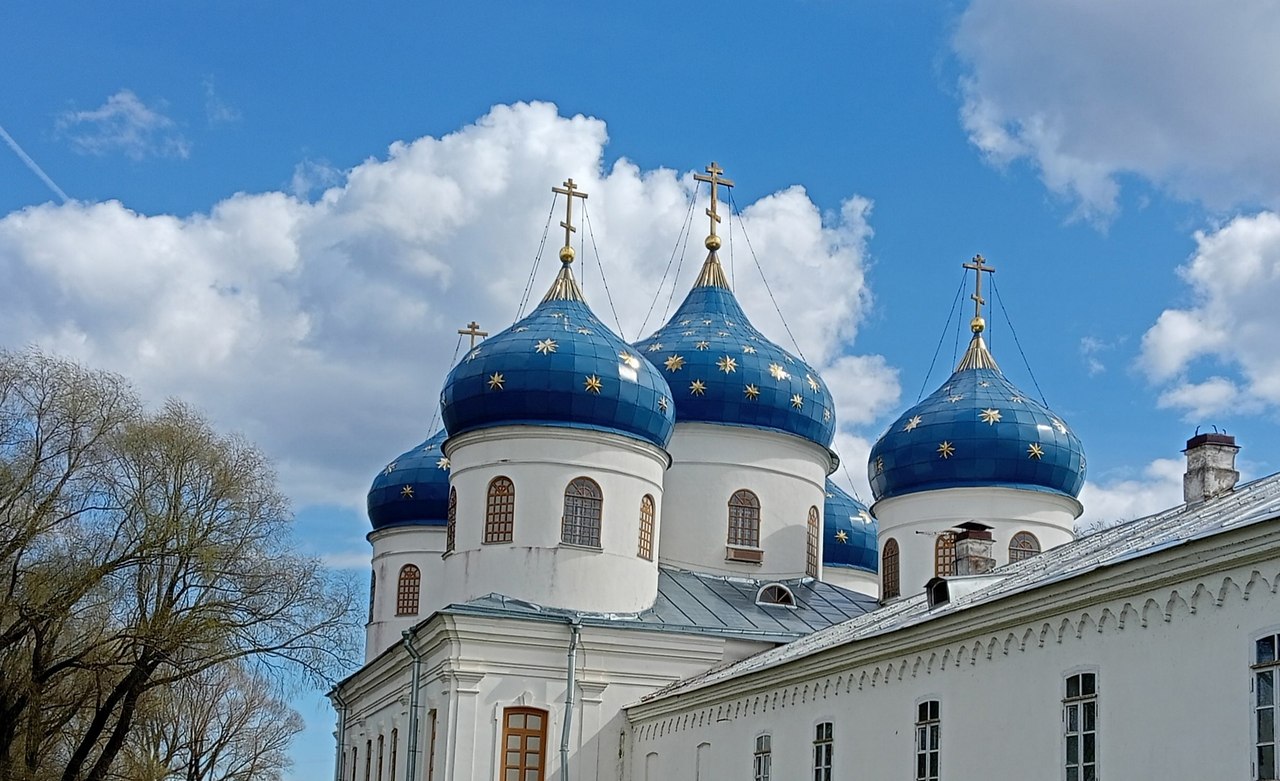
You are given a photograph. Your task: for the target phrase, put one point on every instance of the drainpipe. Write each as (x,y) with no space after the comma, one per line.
(411,766)
(575,625)
(341,708)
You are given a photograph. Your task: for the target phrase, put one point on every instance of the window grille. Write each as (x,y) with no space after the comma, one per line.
(762,760)
(1266,669)
(1024,545)
(823,751)
(500,510)
(744,519)
(928,740)
(451,524)
(646,528)
(524,739)
(944,555)
(1080,727)
(889,580)
(408,588)
(582,508)
(811,549)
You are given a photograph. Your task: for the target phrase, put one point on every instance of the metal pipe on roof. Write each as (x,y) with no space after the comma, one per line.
(575,627)
(411,764)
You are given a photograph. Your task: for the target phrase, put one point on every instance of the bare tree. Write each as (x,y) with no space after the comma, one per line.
(142,551)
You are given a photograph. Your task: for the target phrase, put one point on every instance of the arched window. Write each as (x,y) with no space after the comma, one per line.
(811,549)
(1024,545)
(944,555)
(646,528)
(744,519)
(407,590)
(373,590)
(395,744)
(583,504)
(889,585)
(524,739)
(451,525)
(500,510)
(775,594)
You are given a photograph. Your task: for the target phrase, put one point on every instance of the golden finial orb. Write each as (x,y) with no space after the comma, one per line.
(977,325)
(566,255)
(713,242)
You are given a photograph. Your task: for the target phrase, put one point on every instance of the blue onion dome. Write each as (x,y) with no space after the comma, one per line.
(848,532)
(977,430)
(559,366)
(722,370)
(413,489)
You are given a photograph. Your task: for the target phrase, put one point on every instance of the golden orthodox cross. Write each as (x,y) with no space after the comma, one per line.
(713,178)
(978,266)
(473,330)
(569,191)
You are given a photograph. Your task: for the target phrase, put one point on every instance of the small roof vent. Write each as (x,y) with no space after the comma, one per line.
(774,595)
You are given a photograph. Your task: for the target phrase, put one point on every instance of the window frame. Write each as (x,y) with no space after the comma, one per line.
(1258,668)
(927,740)
(408,590)
(1079,704)
(572,532)
(813,545)
(890,576)
(1024,552)
(523,733)
(451,522)
(648,512)
(744,519)
(395,746)
(824,749)
(762,758)
(382,755)
(944,554)
(499,511)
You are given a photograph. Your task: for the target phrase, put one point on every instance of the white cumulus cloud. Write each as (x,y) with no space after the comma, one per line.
(324,328)
(1091,90)
(1216,355)
(1113,501)
(123,124)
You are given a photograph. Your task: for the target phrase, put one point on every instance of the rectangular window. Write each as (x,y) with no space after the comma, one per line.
(928,740)
(381,756)
(762,762)
(1080,727)
(395,744)
(368,759)
(1266,669)
(823,747)
(431,746)
(524,738)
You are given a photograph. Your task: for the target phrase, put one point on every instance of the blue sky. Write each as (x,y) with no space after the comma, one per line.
(283,211)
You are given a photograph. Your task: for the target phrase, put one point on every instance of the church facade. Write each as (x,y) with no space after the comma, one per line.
(628,561)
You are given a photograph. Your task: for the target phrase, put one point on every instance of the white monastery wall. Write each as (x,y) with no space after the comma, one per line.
(393,548)
(857,580)
(916,520)
(1174,696)
(536,566)
(711,462)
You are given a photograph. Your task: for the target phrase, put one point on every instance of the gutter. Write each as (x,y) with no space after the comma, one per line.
(341,708)
(575,629)
(411,765)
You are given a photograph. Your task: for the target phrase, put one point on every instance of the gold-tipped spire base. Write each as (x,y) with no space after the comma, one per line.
(712,274)
(977,356)
(565,287)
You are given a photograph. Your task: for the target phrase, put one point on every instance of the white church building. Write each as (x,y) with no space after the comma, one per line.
(628,562)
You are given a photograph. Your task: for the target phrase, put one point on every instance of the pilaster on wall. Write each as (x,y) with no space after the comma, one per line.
(462,690)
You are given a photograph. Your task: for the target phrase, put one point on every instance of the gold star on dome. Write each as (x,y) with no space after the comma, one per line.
(520,329)
(1016,399)
(911,424)
(1035,451)
(625,357)
(584,331)
(778,372)
(842,537)
(557,314)
(984,384)
(702,345)
(592,384)
(826,414)
(1082,462)
(946,449)
(722,333)
(751,392)
(442,462)
(813,384)
(748,349)
(496,380)
(706,322)
(991,416)
(728,323)
(391,467)
(865,517)
(546,346)
(797,401)
(788,359)
(687,333)
(954,398)
(655,347)
(727,364)
(406,492)
(879,465)
(428,448)
(662,403)
(686,321)
(1059,425)
(443,400)
(674,363)
(697,387)
(471,356)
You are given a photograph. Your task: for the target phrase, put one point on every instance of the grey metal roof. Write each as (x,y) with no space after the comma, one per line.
(699,603)
(1251,503)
